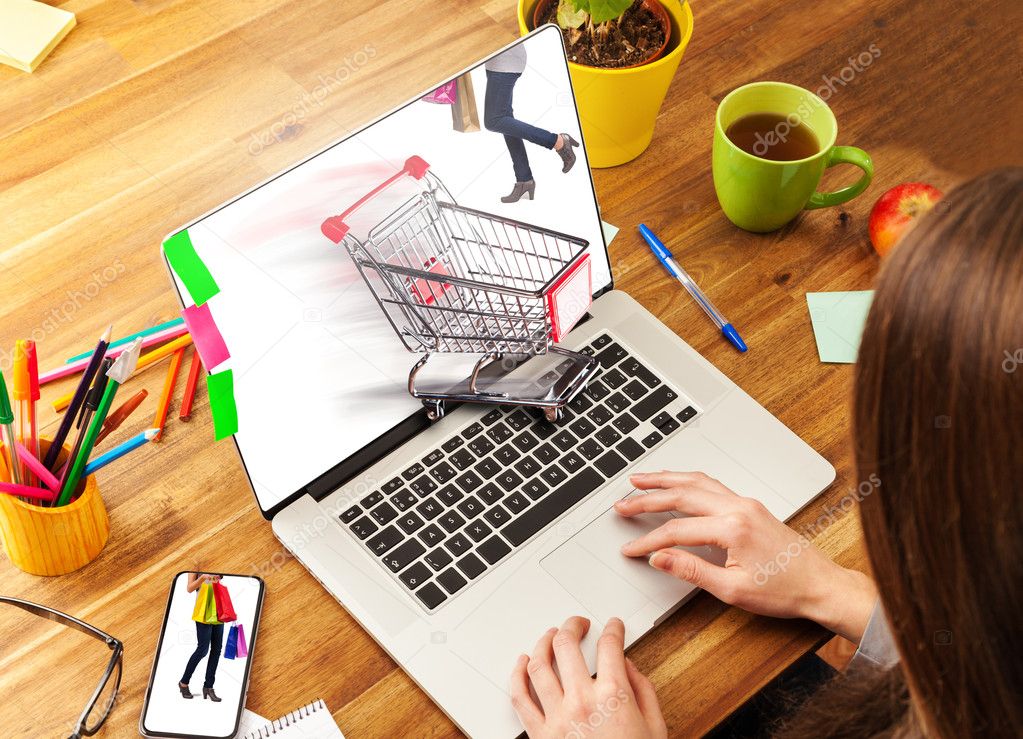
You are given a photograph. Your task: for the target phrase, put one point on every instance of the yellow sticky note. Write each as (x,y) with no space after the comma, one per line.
(29,30)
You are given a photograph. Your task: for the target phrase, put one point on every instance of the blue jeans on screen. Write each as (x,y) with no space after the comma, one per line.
(211,639)
(499,118)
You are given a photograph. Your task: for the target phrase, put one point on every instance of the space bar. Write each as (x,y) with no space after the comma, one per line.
(551,506)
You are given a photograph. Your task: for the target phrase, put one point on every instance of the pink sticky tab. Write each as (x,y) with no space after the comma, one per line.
(569,298)
(205,335)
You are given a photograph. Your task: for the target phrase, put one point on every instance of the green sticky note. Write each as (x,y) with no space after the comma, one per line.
(220,386)
(838,320)
(609,232)
(190,268)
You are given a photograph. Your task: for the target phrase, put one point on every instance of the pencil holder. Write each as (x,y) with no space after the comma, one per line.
(53,541)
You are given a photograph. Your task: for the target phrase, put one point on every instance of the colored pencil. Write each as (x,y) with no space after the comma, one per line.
(115,419)
(77,399)
(190,385)
(119,451)
(7,421)
(179,321)
(32,462)
(76,367)
(163,406)
(89,407)
(27,491)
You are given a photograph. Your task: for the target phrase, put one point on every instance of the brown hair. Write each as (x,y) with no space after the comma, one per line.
(938,417)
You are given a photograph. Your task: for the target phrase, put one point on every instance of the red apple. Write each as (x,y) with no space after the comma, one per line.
(896,210)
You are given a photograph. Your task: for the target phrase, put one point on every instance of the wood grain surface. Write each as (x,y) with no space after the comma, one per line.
(153,111)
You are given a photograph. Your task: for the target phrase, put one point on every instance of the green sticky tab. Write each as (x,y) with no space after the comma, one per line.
(220,387)
(189,268)
(838,320)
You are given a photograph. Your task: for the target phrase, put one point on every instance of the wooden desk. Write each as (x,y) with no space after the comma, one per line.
(146,116)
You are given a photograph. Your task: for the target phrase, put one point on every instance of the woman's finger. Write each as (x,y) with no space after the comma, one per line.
(686,532)
(611,653)
(688,567)
(541,673)
(646,696)
(525,707)
(666,479)
(689,500)
(571,665)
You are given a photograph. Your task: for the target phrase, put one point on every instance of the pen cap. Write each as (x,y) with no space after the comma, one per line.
(6,412)
(26,370)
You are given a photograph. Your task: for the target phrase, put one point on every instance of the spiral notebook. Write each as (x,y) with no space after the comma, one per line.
(308,722)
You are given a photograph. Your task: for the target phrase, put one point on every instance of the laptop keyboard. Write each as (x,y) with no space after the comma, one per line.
(444,521)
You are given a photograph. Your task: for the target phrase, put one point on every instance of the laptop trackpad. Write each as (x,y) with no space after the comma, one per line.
(591,567)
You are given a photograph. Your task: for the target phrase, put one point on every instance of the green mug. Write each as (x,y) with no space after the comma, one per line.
(762,194)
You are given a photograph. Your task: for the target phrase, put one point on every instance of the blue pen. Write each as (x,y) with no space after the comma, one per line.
(665,257)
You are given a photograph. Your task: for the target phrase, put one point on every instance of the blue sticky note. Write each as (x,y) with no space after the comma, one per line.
(838,320)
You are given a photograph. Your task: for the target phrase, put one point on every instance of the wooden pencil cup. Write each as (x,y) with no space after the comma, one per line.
(53,541)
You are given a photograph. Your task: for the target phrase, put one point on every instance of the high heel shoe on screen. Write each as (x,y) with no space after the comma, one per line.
(185,692)
(208,693)
(520,189)
(566,153)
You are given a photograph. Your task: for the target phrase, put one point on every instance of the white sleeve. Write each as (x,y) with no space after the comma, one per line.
(877,648)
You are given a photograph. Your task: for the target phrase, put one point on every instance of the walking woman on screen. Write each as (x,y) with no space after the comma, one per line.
(938,424)
(503,71)
(210,638)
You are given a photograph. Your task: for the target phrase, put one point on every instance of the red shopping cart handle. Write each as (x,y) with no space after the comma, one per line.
(335,228)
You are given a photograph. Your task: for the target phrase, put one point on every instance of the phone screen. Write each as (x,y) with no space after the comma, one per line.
(205,649)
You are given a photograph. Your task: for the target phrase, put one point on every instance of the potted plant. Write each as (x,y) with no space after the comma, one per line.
(622,57)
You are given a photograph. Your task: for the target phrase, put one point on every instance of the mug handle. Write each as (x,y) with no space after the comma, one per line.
(844,155)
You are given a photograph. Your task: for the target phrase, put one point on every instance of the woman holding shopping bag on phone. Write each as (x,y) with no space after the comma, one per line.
(210,637)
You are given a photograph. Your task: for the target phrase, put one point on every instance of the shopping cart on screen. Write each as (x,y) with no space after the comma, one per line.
(452,279)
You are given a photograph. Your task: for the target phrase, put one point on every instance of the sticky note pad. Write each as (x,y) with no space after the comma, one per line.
(838,319)
(205,335)
(220,387)
(30,30)
(189,268)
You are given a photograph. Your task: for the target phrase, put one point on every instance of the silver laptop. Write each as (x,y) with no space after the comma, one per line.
(456,543)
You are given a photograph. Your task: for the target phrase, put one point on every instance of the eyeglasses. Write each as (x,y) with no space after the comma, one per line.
(96,711)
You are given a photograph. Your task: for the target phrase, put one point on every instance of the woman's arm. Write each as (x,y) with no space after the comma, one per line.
(195,579)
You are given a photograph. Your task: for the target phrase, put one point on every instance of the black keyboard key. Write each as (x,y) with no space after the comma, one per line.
(564,441)
(525,442)
(654,402)
(535,489)
(431,536)
(500,433)
(546,454)
(488,468)
(589,351)
(429,509)
(372,499)
(613,379)
(383,542)
(580,403)
(471,566)
(438,559)
(415,576)
(497,516)
(433,457)
(611,464)
(582,428)
(462,459)
(509,480)
(351,514)
(651,439)
(491,417)
(516,502)
(493,549)
(600,342)
(451,581)
(431,595)
(572,462)
(413,472)
(384,513)
(597,390)
(477,530)
(618,403)
(443,472)
(468,481)
(471,507)
(449,495)
(631,448)
(553,475)
(472,430)
(600,415)
(482,446)
(635,368)
(660,419)
(451,521)
(404,500)
(490,493)
(669,426)
(591,449)
(686,413)
(635,390)
(507,455)
(410,522)
(550,507)
(400,558)
(452,444)
(423,486)
(625,423)
(389,487)
(611,355)
(608,436)
(519,419)
(527,467)
(458,545)
(544,429)
(363,527)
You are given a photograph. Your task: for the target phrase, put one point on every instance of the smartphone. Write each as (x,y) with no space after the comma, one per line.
(200,672)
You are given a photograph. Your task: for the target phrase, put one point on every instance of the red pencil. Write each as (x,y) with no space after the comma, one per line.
(168,392)
(190,385)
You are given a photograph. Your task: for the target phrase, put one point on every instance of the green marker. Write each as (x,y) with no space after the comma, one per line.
(6,419)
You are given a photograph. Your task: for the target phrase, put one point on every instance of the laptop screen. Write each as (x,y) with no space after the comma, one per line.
(320,375)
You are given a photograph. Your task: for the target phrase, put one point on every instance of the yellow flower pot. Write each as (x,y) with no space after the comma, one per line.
(618,107)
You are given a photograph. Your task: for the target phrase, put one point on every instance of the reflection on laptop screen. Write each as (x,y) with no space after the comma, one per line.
(319,372)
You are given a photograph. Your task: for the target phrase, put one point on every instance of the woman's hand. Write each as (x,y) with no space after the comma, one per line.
(770,569)
(619,702)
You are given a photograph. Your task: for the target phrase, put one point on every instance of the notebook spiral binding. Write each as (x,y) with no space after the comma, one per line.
(288,719)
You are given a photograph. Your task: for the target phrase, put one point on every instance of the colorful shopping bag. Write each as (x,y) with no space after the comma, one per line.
(231,648)
(202,604)
(445,94)
(225,609)
(243,649)
(211,607)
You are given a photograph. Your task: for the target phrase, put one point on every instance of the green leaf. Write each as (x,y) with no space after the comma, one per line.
(605,10)
(570,15)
